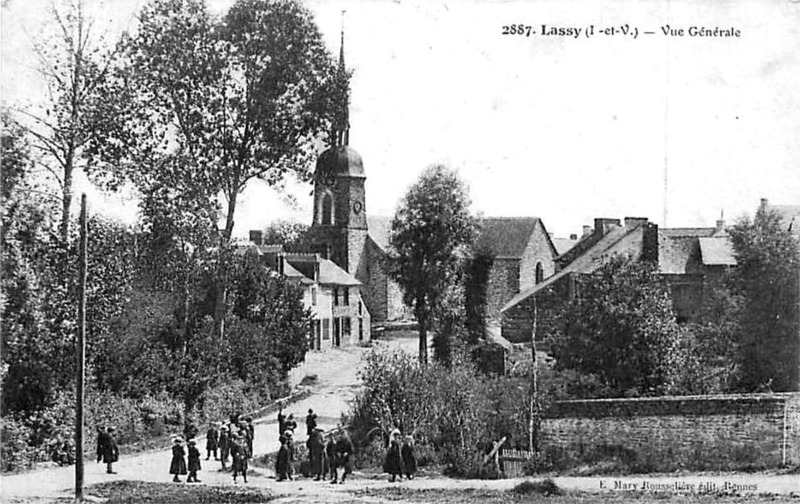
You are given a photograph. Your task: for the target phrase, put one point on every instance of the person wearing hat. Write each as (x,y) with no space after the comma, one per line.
(289,435)
(194,462)
(110,451)
(212,441)
(344,454)
(224,445)
(316,454)
(408,457)
(330,455)
(311,422)
(393,463)
(291,423)
(281,419)
(282,462)
(239,454)
(178,465)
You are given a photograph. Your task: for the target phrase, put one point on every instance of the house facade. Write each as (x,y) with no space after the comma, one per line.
(334,297)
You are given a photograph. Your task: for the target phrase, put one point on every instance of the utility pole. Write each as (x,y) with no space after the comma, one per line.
(81,354)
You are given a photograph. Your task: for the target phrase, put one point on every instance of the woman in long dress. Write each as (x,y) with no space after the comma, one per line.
(178,465)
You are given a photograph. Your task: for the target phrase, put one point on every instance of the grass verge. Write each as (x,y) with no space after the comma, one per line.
(135,492)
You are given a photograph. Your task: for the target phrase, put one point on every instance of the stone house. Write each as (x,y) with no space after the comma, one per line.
(689,259)
(523,255)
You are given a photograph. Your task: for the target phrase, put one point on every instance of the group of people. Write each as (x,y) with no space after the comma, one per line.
(233,439)
(400,457)
(326,455)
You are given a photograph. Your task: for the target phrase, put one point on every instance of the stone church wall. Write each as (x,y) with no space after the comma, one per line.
(537,251)
(503,284)
(752,431)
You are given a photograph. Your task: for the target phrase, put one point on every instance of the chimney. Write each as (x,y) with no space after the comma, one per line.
(573,236)
(257,236)
(764,203)
(587,230)
(720,225)
(650,243)
(632,222)
(603,226)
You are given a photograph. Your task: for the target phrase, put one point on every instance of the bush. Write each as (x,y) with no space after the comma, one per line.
(545,487)
(453,413)
(225,399)
(16,452)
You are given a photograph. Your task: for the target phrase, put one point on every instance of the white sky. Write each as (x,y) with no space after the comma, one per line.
(560,128)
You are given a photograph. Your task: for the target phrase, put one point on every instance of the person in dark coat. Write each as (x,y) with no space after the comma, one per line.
(409,457)
(281,420)
(194,462)
(212,441)
(393,463)
(110,450)
(224,445)
(190,430)
(311,422)
(240,456)
(330,454)
(282,462)
(344,455)
(316,454)
(251,433)
(289,435)
(178,464)
(291,423)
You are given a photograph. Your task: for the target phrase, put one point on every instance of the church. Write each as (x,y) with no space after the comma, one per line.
(340,230)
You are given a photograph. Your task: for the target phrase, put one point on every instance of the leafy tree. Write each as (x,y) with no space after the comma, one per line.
(288,234)
(235,99)
(708,350)
(73,64)
(621,328)
(430,234)
(767,276)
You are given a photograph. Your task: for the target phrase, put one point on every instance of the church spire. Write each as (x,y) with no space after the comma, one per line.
(343,135)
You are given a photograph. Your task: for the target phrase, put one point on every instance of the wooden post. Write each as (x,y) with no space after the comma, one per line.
(81,351)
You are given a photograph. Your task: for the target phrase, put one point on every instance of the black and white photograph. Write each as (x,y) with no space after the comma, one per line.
(374,251)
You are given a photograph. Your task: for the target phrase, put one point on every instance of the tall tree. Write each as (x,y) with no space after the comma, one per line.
(431,232)
(73,63)
(621,328)
(236,99)
(767,275)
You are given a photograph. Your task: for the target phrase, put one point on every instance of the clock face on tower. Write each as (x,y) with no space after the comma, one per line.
(357,207)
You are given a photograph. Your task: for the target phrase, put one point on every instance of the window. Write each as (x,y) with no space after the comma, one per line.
(360,329)
(539,273)
(346,293)
(360,304)
(335,296)
(326,324)
(327,206)
(313,295)
(347,326)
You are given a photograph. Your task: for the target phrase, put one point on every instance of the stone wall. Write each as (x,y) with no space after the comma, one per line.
(503,284)
(670,433)
(537,251)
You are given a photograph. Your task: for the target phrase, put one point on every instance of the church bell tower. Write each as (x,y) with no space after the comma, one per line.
(339,227)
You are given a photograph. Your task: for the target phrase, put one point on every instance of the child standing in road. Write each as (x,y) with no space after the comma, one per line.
(194,463)
(178,465)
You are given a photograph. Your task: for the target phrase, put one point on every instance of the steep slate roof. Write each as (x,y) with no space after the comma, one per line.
(687,232)
(507,237)
(619,239)
(678,255)
(331,274)
(563,244)
(292,273)
(379,228)
(717,251)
